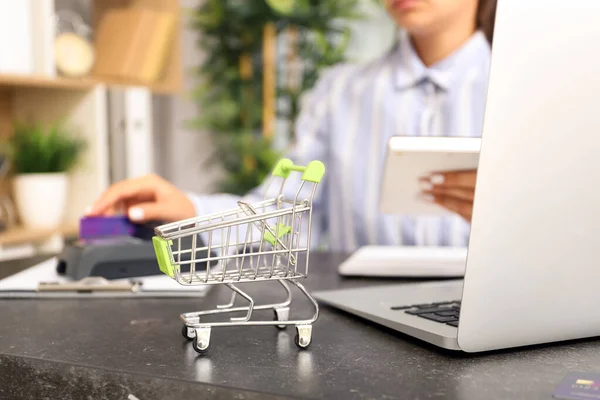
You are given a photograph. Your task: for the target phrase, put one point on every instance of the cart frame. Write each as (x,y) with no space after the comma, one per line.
(266,247)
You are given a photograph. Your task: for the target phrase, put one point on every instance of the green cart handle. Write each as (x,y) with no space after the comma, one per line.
(313,172)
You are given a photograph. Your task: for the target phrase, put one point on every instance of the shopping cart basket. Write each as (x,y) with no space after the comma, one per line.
(265,241)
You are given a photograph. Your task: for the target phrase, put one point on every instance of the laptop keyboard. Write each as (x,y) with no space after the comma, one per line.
(444,312)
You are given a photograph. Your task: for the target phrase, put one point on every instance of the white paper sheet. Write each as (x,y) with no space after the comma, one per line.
(25,283)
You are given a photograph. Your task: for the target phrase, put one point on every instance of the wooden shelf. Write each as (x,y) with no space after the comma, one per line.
(158,88)
(21,235)
(40,82)
(170,80)
(20,81)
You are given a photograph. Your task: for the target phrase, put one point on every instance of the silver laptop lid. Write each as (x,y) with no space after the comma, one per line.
(533,268)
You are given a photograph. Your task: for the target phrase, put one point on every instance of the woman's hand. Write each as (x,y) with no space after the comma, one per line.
(453,190)
(150,198)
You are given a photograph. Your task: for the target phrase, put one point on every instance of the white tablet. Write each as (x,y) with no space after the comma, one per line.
(408,158)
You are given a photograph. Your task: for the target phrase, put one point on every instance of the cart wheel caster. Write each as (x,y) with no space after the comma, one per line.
(188,333)
(281,314)
(303,336)
(199,347)
(201,341)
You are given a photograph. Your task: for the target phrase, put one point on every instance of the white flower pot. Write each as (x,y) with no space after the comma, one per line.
(41,199)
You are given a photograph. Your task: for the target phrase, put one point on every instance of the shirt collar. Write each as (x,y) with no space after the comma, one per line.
(410,70)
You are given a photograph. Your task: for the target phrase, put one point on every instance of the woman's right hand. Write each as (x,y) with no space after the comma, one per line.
(453,190)
(149,198)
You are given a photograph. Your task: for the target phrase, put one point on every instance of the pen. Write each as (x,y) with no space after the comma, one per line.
(88,285)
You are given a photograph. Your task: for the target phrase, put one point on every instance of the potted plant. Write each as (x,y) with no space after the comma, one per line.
(243,72)
(41,157)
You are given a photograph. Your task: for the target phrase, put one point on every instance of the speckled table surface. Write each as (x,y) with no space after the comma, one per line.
(133,349)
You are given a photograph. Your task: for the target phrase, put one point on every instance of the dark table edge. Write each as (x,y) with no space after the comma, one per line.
(52,377)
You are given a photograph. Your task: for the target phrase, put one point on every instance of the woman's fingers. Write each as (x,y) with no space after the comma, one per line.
(464,179)
(136,199)
(163,211)
(463,208)
(144,212)
(121,192)
(453,192)
(149,198)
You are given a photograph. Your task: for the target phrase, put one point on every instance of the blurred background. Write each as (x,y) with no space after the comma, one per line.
(202,92)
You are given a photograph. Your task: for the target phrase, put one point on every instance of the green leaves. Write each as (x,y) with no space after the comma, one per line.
(284,7)
(35,148)
(231,104)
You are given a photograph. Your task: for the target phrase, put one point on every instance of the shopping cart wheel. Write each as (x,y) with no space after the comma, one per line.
(281,314)
(303,336)
(202,340)
(188,333)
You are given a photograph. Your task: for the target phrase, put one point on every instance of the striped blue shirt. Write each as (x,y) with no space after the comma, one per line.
(346,121)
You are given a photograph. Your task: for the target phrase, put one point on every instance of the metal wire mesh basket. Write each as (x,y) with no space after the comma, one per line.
(265,241)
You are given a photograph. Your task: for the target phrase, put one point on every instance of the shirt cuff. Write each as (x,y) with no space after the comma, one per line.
(196,202)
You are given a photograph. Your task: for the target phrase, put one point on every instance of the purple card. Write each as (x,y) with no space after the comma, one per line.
(102,227)
(579,386)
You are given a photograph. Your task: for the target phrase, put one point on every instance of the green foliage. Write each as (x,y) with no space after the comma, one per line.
(231,105)
(37,148)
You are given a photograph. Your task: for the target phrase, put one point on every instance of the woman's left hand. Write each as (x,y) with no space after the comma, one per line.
(453,190)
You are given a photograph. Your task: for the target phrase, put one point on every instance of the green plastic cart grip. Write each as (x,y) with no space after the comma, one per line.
(313,172)
(163,255)
(281,231)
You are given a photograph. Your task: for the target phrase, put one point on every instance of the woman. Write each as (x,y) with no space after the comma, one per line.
(433,82)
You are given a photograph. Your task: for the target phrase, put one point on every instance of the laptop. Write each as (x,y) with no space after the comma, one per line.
(533,264)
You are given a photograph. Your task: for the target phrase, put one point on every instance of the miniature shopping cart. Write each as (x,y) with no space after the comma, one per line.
(264,241)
